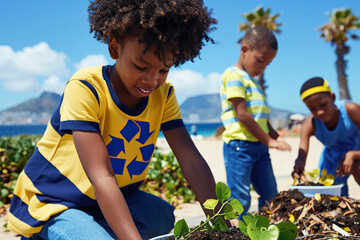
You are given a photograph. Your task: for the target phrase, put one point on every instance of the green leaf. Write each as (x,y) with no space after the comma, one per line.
(238,207)
(229,212)
(271,233)
(180,228)
(243,227)
(233,209)
(219,224)
(4,192)
(261,222)
(222,192)
(288,231)
(210,204)
(249,220)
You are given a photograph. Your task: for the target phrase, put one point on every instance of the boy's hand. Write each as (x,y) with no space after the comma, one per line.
(279,144)
(345,166)
(298,171)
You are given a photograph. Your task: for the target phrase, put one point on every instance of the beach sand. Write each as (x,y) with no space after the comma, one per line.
(211,149)
(282,162)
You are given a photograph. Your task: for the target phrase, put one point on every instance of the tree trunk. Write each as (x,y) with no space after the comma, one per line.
(340,68)
(261,79)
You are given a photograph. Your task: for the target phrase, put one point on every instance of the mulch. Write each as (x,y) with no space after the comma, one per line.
(233,234)
(321,217)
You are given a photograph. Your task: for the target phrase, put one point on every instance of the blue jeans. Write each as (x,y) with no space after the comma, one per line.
(152,216)
(249,163)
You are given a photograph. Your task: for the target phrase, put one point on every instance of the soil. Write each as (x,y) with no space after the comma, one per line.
(330,216)
(309,184)
(234,233)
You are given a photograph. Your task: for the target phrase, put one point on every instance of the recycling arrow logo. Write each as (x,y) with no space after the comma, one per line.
(117,145)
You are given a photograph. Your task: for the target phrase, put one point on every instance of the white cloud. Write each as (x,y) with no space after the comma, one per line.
(92,60)
(23,85)
(20,70)
(53,84)
(188,83)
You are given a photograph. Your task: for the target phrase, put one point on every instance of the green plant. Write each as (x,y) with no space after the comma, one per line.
(256,227)
(229,209)
(165,179)
(14,154)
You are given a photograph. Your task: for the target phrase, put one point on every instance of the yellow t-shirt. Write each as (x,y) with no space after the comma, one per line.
(54,180)
(236,83)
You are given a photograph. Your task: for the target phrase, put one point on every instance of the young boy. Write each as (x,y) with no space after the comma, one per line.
(337,126)
(248,133)
(82,181)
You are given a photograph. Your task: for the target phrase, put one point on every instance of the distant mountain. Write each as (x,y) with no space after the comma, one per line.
(202,108)
(207,108)
(33,111)
(46,103)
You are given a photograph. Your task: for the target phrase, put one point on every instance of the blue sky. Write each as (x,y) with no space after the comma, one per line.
(42,43)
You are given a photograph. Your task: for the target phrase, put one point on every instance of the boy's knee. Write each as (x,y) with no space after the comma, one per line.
(159,224)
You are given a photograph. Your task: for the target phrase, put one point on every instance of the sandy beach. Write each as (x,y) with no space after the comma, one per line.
(211,149)
(282,161)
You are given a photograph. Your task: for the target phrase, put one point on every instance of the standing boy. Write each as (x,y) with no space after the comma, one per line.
(248,133)
(82,182)
(337,126)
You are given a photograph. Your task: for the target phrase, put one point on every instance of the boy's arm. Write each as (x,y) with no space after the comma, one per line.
(193,166)
(95,160)
(245,118)
(272,132)
(353,111)
(275,135)
(307,130)
(345,166)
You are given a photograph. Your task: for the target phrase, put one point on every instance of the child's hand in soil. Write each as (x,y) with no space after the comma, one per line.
(345,166)
(299,172)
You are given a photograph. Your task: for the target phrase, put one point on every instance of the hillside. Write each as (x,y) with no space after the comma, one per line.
(207,108)
(203,108)
(33,111)
(46,102)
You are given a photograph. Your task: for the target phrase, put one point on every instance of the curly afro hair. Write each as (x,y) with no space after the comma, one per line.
(182,25)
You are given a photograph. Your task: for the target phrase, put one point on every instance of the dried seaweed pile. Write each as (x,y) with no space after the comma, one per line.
(320,217)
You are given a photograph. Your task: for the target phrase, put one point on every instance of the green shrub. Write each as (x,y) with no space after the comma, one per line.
(164,177)
(166,180)
(14,154)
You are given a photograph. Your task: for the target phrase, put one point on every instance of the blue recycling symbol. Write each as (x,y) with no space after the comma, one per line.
(117,145)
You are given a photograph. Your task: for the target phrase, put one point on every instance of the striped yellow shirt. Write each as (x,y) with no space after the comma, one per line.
(236,83)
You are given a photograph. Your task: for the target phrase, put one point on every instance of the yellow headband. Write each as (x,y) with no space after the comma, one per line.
(324,88)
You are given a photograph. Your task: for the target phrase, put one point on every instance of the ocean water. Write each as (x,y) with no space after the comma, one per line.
(202,129)
(13,130)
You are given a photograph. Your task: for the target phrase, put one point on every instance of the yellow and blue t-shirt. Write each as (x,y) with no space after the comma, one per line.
(237,83)
(54,180)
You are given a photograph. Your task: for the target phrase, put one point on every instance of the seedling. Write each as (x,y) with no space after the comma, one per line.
(256,227)
(230,209)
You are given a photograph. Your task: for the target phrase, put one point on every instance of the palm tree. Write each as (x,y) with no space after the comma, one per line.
(337,32)
(260,17)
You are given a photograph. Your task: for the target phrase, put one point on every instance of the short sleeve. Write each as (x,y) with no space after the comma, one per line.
(234,85)
(80,107)
(172,116)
